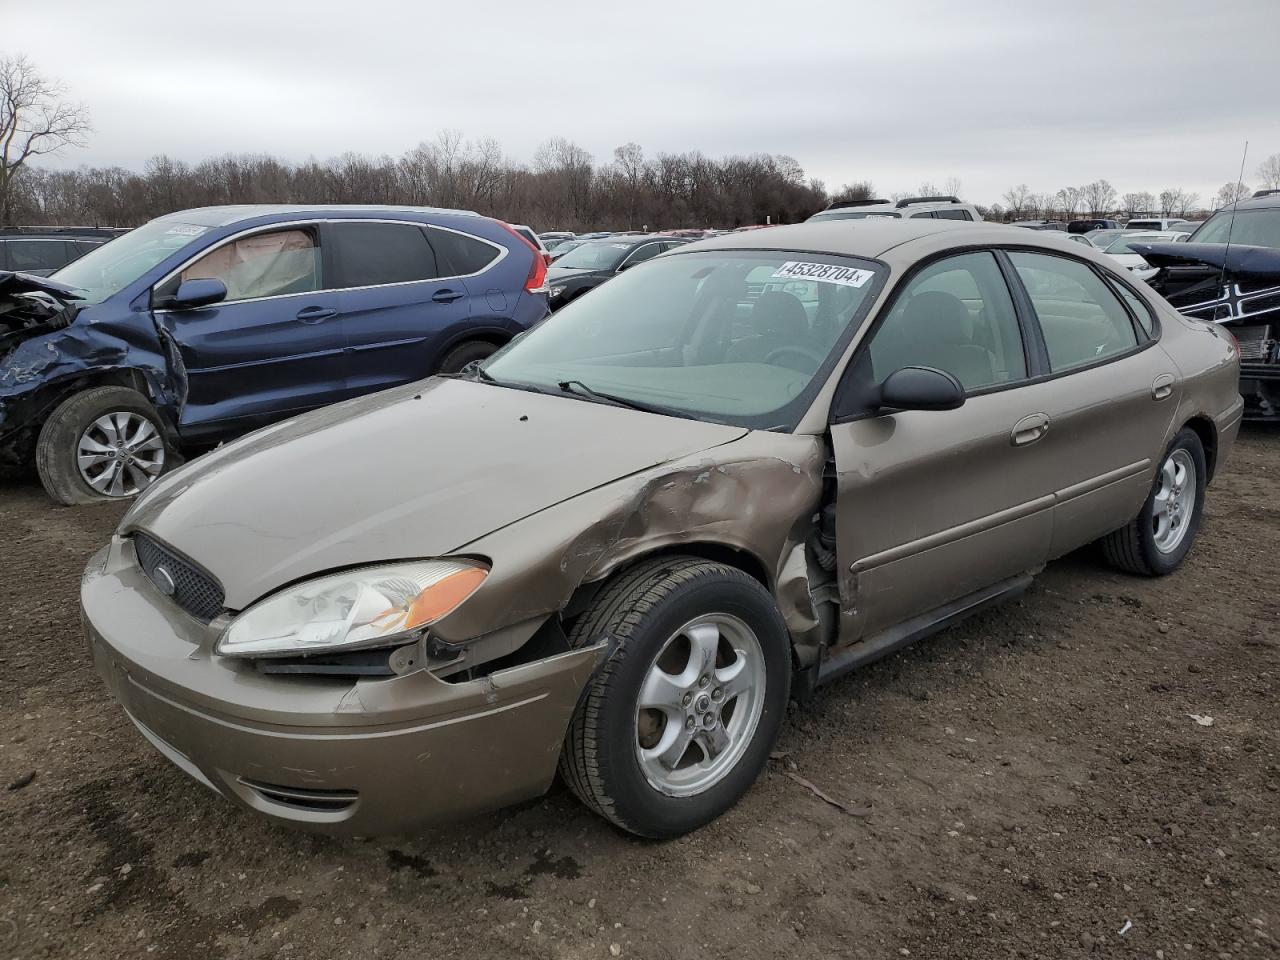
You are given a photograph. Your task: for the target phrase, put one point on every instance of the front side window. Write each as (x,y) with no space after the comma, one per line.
(269,264)
(956,315)
(742,337)
(373,254)
(1081,318)
(37,254)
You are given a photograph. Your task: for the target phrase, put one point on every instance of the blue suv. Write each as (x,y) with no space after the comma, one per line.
(207,323)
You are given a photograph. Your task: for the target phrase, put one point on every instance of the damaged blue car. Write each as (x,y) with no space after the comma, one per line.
(205,324)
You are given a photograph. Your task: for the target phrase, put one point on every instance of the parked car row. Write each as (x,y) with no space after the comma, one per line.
(39,251)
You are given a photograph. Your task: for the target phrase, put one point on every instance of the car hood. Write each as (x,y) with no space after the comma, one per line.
(419,471)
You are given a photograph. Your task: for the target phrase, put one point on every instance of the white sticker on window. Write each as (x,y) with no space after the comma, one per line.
(186,230)
(823,272)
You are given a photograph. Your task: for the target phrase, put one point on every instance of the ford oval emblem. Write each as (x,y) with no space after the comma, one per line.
(164,580)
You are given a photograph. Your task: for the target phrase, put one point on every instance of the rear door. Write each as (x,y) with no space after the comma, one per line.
(935,505)
(273,347)
(1110,394)
(398,301)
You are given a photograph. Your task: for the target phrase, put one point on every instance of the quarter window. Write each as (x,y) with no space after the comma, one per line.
(1138,307)
(373,254)
(460,255)
(956,315)
(262,265)
(1081,318)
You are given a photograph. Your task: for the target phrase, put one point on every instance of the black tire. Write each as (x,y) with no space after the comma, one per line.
(641,609)
(465,353)
(59,438)
(1133,548)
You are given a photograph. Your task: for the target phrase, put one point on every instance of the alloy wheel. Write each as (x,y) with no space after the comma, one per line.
(1175,501)
(120,454)
(699,705)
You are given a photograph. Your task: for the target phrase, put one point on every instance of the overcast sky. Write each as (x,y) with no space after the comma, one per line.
(1146,94)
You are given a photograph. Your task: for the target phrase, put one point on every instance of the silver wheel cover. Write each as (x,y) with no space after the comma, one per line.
(1175,501)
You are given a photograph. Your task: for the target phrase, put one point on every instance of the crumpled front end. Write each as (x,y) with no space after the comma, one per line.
(341,755)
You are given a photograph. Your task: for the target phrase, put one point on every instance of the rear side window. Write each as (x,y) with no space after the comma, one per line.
(1138,307)
(38,254)
(952,215)
(373,254)
(1082,319)
(460,255)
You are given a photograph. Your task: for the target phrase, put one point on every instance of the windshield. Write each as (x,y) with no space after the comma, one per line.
(742,337)
(856,215)
(111,267)
(1256,228)
(596,255)
(1123,244)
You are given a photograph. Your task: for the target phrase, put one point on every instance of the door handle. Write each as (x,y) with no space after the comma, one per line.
(446,296)
(315,314)
(1029,429)
(1162,387)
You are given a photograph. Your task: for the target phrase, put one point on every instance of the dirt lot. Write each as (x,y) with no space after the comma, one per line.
(1036,784)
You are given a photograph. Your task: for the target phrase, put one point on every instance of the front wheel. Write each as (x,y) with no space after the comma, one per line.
(1159,539)
(679,721)
(101,444)
(463,354)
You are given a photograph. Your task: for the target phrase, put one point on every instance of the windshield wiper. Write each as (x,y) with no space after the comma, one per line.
(567,386)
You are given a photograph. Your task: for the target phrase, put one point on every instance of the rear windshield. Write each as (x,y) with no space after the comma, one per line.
(596,255)
(741,337)
(1256,228)
(111,267)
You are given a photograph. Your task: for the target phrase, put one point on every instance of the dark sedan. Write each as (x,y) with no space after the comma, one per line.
(591,264)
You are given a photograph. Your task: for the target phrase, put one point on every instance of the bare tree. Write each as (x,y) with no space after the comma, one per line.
(1069,200)
(1187,201)
(952,187)
(1269,172)
(1015,199)
(862,190)
(35,121)
(1138,202)
(1099,197)
(1229,193)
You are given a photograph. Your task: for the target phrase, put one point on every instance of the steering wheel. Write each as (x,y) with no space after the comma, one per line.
(803,352)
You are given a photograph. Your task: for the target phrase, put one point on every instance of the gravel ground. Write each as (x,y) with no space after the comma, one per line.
(1036,785)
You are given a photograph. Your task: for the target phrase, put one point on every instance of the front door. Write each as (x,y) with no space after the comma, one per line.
(273,347)
(935,505)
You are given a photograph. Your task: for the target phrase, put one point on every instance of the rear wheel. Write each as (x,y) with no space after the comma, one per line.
(1157,541)
(105,443)
(679,721)
(465,353)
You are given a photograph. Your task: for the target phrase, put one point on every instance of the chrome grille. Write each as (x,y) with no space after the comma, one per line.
(186,584)
(1255,342)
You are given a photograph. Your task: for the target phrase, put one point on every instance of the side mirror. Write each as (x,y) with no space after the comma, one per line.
(921,388)
(195,293)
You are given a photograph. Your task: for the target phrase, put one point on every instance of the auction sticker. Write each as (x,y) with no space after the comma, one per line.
(823,272)
(186,230)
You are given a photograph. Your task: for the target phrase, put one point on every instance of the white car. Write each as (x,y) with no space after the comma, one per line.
(1153,223)
(937,208)
(1120,250)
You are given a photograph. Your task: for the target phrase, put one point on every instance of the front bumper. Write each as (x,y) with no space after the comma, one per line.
(339,756)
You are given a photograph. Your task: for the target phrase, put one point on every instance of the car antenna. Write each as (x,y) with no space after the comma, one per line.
(1231,224)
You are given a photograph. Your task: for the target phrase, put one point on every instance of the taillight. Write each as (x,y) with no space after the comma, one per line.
(536,282)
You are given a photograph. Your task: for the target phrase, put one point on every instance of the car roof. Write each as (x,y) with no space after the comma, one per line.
(222,216)
(858,238)
(1267,201)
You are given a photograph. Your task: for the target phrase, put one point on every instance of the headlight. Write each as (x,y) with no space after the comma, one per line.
(366,607)
(555,291)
